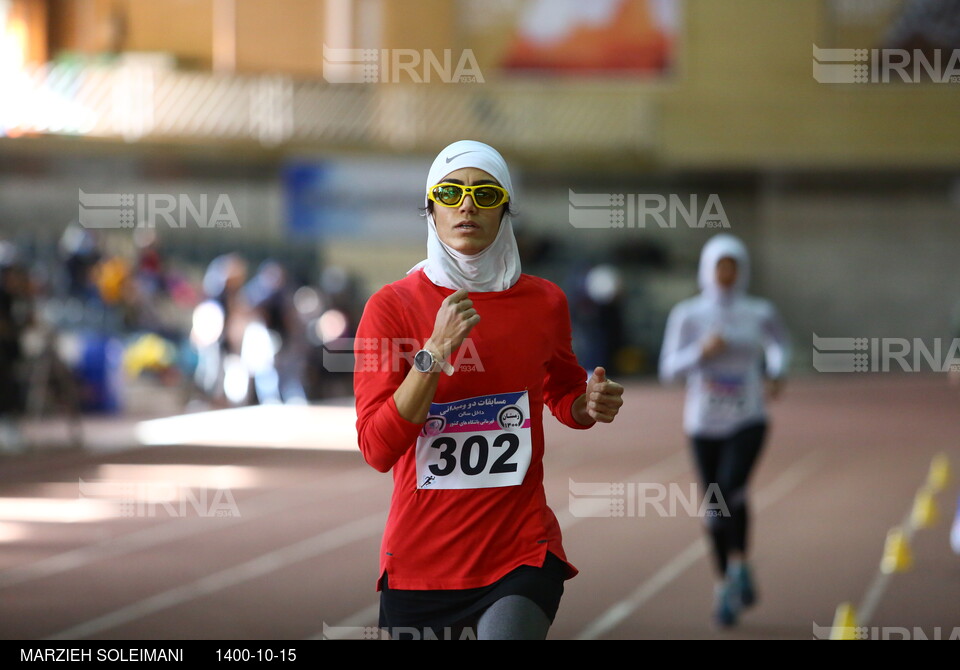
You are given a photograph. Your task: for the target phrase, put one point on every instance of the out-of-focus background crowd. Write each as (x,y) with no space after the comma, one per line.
(198,196)
(101,325)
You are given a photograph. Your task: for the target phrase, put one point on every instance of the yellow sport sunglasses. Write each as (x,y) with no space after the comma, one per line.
(485,196)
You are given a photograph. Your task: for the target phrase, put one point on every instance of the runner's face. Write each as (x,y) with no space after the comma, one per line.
(726,272)
(467,228)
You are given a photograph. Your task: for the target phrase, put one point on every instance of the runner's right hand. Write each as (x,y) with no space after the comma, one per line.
(713,346)
(455,319)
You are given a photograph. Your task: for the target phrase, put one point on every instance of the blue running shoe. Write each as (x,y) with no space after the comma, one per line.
(740,575)
(725,605)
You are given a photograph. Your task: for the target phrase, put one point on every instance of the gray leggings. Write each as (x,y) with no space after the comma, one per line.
(513,618)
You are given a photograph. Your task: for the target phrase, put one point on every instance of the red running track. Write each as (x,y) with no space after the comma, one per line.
(285,544)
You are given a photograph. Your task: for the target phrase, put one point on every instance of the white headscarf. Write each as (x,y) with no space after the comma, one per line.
(497,267)
(720,246)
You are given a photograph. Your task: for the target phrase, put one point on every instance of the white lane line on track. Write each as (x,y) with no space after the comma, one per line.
(262,565)
(174,530)
(623,609)
(872,598)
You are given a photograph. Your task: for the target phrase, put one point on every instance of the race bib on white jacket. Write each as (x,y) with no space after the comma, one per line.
(476,443)
(725,397)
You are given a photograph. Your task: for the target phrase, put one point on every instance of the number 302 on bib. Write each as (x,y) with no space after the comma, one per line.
(476,443)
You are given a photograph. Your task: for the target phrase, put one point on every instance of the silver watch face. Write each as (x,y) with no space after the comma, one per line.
(423,361)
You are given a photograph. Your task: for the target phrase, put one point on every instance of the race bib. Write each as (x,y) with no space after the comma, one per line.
(726,396)
(477,443)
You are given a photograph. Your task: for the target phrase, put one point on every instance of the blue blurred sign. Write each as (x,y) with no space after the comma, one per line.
(376,198)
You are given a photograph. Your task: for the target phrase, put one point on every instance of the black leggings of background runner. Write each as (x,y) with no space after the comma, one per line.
(728,463)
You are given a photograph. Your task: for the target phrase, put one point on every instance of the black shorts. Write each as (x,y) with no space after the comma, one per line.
(454,613)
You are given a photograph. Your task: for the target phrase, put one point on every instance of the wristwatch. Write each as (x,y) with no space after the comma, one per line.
(425,361)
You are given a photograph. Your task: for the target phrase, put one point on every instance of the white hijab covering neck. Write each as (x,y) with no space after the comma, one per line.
(720,246)
(497,267)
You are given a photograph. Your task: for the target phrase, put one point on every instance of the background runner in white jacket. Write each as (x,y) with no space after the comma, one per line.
(733,350)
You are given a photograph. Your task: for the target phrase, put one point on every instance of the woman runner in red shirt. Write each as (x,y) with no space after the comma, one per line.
(471,548)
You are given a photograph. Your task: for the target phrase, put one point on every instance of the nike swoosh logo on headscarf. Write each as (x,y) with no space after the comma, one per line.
(458,155)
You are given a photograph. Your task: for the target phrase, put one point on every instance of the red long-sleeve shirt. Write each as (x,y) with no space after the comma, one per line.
(442,531)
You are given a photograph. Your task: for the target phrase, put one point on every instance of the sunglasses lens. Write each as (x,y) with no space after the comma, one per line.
(487,197)
(448,195)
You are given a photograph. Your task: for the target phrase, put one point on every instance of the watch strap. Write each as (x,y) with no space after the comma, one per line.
(438,362)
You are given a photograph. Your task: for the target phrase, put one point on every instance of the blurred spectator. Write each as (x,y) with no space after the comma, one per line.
(15,314)
(111,276)
(332,330)
(154,297)
(597,312)
(223,283)
(219,326)
(278,378)
(80,253)
(149,271)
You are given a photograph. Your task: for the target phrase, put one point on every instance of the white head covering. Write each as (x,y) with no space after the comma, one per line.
(720,246)
(497,267)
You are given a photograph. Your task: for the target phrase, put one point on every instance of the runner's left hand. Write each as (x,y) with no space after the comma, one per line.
(604,397)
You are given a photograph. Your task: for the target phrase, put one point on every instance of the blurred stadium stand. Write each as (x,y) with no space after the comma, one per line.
(847,194)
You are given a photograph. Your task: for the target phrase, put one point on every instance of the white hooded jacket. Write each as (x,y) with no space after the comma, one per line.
(726,392)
